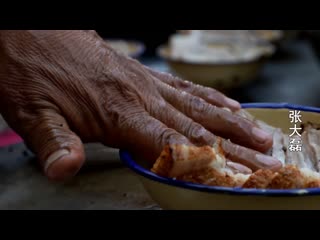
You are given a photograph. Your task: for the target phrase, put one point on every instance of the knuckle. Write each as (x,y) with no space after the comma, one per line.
(47,134)
(166,135)
(198,106)
(237,150)
(231,119)
(196,103)
(245,124)
(240,125)
(169,136)
(229,148)
(183,85)
(199,134)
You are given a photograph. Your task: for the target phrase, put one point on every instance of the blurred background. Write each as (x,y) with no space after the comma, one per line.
(248,65)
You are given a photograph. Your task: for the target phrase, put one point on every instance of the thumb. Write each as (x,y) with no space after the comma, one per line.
(59,150)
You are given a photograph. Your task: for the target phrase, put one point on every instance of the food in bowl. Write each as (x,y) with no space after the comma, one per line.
(212,49)
(245,36)
(185,195)
(222,65)
(208,165)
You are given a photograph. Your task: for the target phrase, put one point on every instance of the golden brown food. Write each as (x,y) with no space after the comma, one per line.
(181,162)
(260,179)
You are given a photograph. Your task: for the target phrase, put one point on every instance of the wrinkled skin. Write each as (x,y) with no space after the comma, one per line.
(59,89)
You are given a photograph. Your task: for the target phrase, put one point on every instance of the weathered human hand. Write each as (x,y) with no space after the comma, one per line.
(59,89)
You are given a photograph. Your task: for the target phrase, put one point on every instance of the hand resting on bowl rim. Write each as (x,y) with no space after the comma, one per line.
(59,89)
(209,165)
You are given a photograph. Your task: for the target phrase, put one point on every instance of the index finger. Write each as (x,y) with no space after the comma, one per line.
(210,95)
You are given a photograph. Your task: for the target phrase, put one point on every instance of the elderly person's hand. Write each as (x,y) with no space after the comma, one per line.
(59,89)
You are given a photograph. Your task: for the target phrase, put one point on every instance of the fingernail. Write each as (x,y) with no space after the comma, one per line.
(54,157)
(268,162)
(232,103)
(260,135)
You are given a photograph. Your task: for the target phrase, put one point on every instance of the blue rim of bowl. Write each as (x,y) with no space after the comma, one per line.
(130,163)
